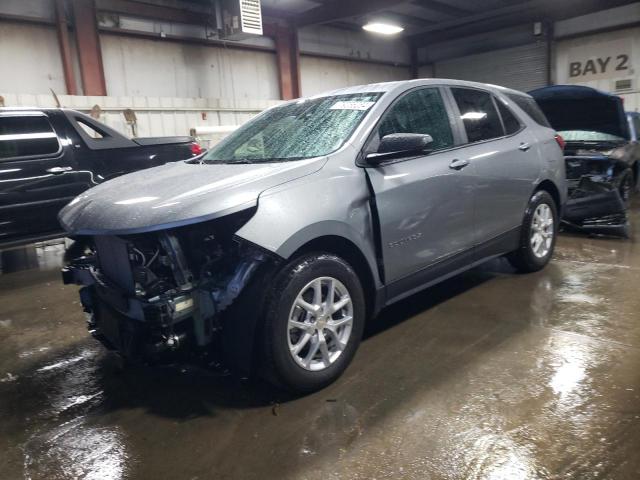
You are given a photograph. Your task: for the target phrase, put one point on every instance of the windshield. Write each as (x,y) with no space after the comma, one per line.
(588,136)
(298,130)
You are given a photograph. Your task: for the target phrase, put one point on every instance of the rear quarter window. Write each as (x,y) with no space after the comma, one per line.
(27,136)
(531,108)
(509,120)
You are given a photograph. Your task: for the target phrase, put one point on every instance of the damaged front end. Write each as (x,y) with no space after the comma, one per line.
(152,293)
(599,190)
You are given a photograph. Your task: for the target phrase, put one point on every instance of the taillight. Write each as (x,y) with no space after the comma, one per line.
(560,140)
(196,149)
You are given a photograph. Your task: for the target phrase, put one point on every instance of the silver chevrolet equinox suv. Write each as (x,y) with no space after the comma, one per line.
(273,248)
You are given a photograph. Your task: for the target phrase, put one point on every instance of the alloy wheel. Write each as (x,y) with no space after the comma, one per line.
(542,230)
(320,323)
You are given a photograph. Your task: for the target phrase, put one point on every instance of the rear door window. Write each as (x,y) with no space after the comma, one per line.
(530,107)
(27,136)
(478,114)
(420,111)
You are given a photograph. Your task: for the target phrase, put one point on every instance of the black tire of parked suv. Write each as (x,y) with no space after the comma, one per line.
(279,367)
(627,186)
(523,259)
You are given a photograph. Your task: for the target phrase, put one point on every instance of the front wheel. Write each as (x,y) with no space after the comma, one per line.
(538,234)
(314,321)
(626,186)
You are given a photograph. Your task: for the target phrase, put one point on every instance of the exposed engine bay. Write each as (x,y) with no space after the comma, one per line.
(175,284)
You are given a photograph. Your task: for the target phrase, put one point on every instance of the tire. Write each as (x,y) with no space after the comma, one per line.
(302,371)
(627,186)
(527,258)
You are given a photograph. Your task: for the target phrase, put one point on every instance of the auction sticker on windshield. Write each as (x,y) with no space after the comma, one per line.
(352,105)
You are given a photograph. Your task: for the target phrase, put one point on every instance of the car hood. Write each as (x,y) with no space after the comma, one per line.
(574,107)
(176,194)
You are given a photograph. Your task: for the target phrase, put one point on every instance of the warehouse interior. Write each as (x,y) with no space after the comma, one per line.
(487,375)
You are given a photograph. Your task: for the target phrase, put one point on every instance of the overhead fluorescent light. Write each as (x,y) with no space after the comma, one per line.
(383,28)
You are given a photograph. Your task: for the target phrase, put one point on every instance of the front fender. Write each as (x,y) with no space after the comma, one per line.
(290,216)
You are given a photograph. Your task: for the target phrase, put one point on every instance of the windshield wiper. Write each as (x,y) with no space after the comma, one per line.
(242,161)
(247,161)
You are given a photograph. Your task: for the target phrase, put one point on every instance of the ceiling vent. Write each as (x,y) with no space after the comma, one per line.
(623,85)
(241,19)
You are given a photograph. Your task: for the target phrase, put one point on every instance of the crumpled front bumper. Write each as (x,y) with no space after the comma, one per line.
(596,206)
(134,327)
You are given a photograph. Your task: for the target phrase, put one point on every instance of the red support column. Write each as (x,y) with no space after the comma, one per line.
(65,48)
(288,54)
(89,53)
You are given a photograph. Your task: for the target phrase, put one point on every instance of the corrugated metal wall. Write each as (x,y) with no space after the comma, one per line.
(323,74)
(141,67)
(425,71)
(144,67)
(324,40)
(30,59)
(523,68)
(170,84)
(156,116)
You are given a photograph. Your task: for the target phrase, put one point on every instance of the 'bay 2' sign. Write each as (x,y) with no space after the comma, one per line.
(598,60)
(599,66)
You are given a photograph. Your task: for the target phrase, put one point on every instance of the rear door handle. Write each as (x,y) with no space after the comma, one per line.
(458,164)
(524,147)
(58,170)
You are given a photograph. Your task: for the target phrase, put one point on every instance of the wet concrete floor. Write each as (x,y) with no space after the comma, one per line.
(490,375)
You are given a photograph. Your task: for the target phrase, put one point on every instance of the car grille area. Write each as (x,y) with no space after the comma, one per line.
(113,262)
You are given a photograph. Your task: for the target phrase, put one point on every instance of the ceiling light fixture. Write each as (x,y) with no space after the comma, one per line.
(383,28)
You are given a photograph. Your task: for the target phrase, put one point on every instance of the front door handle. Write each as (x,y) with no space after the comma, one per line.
(58,170)
(458,164)
(524,147)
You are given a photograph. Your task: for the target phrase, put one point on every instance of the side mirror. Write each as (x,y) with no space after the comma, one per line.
(400,145)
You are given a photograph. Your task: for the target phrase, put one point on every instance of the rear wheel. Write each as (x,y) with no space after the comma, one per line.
(314,322)
(538,234)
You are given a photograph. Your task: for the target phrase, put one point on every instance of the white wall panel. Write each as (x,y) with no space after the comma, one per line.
(141,67)
(323,74)
(30,59)
(603,50)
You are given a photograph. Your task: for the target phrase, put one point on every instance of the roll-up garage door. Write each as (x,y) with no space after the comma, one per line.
(523,68)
